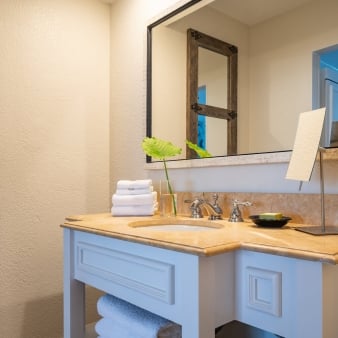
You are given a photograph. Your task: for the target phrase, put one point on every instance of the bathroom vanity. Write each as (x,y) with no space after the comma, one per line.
(280,280)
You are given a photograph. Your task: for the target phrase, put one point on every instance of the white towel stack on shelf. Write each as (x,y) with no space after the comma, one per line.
(121,319)
(134,198)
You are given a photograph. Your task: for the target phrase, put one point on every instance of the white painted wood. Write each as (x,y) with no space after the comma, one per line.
(195,292)
(264,289)
(74,292)
(330,301)
(224,284)
(308,296)
(200,293)
(183,264)
(149,276)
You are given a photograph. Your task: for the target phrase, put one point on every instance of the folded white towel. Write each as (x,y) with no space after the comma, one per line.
(134,210)
(142,323)
(132,185)
(140,191)
(134,199)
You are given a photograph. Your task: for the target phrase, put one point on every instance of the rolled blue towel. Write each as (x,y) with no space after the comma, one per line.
(108,328)
(119,315)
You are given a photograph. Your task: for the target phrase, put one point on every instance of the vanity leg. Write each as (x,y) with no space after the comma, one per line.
(73,293)
(198,317)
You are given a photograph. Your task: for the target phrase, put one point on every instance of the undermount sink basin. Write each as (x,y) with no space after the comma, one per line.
(173,224)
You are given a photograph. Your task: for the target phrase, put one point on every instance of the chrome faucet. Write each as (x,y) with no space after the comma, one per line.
(213,210)
(236,215)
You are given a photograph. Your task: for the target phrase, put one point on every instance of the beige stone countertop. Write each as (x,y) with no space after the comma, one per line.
(227,236)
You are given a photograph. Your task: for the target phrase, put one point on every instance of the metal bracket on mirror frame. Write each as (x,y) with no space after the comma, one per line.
(195,107)
(323,229)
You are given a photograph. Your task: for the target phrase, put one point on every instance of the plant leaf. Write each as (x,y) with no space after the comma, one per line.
(199,151)
(159,149)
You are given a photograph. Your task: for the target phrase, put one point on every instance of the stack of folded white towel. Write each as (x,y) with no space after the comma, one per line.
(121,319)
(134,198)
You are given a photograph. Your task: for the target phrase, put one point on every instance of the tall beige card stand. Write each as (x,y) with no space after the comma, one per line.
(302,161)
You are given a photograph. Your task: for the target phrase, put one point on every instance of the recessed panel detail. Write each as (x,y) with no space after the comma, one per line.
(264,290)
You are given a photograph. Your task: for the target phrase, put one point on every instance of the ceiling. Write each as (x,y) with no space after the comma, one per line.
(251,12)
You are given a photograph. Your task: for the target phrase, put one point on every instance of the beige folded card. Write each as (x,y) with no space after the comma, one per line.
(306,145)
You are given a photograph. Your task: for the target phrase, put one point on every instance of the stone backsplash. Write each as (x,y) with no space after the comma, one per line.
(302,208)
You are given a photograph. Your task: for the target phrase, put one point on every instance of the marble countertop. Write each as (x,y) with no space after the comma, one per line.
(228,236)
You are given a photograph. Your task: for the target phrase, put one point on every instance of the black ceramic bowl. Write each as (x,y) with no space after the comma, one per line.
(270,223)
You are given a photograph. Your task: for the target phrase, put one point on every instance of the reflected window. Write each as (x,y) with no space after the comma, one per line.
(202,99)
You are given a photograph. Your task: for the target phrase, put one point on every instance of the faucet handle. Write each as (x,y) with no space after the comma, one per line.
(196,211)
(246,204)
(236,215)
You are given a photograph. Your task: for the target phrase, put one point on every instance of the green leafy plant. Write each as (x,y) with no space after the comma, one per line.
(161,150)
(202,153)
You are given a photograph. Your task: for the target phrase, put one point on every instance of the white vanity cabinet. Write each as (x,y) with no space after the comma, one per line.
(194,291)
(204,280)
(290,297)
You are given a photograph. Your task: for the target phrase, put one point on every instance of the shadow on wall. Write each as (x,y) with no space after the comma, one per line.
(43,317)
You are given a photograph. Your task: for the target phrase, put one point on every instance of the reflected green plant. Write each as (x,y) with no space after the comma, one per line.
(202,153)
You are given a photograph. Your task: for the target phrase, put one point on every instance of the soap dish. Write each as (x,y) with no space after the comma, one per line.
(270,223)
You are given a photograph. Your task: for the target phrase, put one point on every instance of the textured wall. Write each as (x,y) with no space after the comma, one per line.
(54,148)
(128,84)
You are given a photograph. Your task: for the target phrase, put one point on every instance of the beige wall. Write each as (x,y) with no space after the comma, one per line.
(281,70)
(128,84)
(54,148)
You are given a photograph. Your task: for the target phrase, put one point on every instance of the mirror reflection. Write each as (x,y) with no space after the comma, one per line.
(213,71)
(211,94)
(328,95)
(276,42)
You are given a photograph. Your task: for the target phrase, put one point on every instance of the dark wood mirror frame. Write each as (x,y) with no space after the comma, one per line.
(195,40)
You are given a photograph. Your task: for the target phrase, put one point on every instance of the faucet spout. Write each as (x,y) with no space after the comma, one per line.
(212,211)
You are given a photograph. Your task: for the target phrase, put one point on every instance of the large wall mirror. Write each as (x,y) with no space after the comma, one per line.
(276,42)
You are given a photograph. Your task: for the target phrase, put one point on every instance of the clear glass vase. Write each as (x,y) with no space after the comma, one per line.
(168,199)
